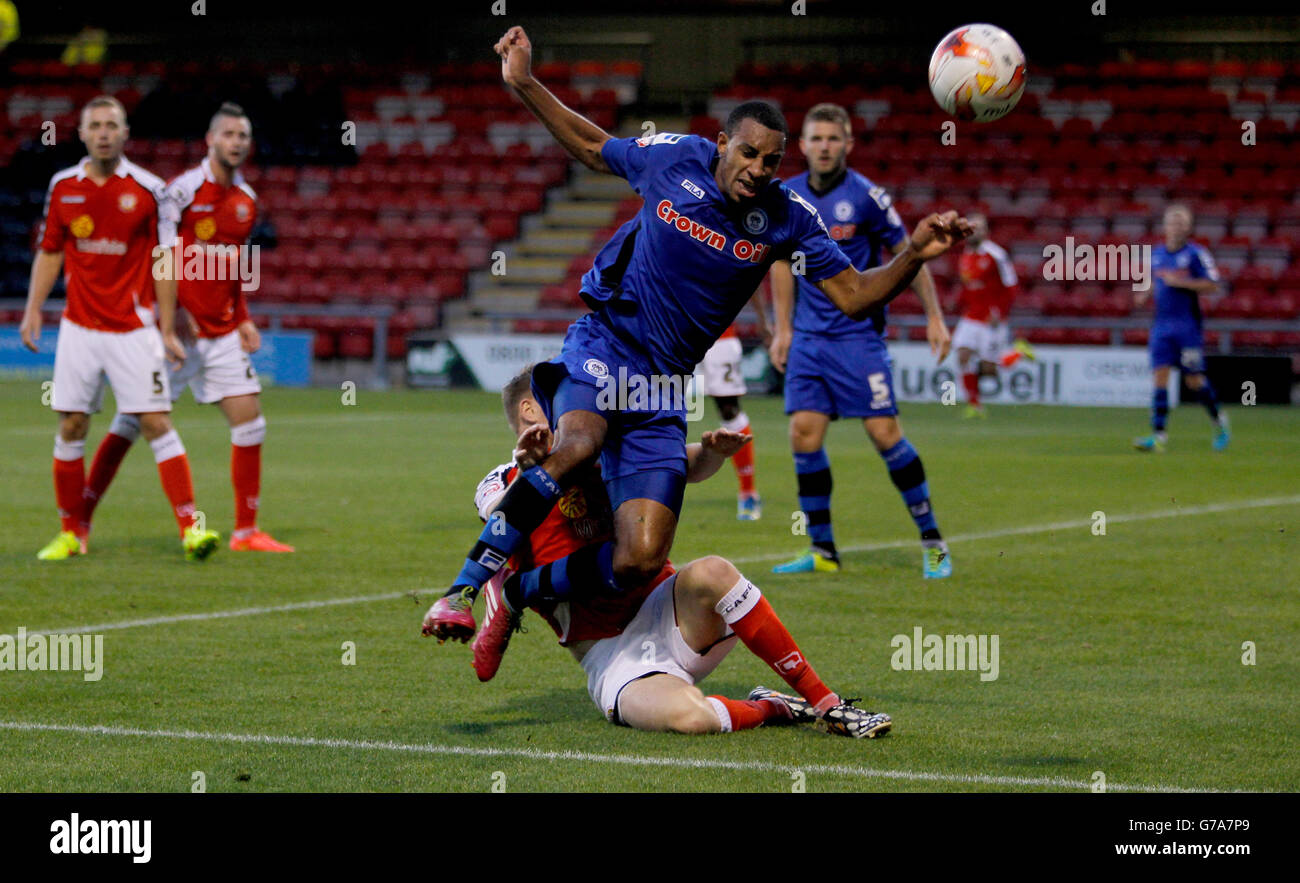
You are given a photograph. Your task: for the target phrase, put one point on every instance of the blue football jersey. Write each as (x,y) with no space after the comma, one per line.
(864,223)
(672,279)
(1180,306)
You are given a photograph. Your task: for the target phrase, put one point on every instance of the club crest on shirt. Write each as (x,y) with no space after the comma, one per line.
(843,210)
(205,228)
(241,211)
(127,202)
(756,221)
(573,504)
(82,226)
(596,368)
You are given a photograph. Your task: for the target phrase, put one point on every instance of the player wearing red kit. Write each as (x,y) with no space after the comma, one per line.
(644,649)
(982,337)
(721,377)
(209,212)
(101,220)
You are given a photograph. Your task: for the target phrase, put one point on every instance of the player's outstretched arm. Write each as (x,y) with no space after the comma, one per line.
(706,457)
(857,294)
(578,135)
(45,272)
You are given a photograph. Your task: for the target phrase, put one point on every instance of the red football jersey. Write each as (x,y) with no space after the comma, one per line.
(213,223)
(107,235)
(580,517)
(988,281)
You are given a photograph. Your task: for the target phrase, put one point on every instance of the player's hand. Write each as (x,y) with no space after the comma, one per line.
(250,339)
(187,330)
(937,233)
(31,329)
(516,56)
(533,445)
(778,351)
(936,332)
(724,442)
(174,348)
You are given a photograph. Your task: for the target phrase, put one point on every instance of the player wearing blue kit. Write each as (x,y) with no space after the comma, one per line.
(713,222)
(836,366)
(1183,271)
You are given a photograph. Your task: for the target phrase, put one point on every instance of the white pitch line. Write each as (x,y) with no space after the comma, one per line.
(588,757)
(228,614)
(1207,509)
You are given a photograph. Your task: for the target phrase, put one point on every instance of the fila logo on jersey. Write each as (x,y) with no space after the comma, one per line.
(689,186)
(596,368)
(788,663)
(742,249)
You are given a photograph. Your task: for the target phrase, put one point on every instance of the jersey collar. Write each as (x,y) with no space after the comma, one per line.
(120,170)
(236,179)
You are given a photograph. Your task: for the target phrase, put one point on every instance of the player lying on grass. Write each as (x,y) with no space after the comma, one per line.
(644,649)
(662,291)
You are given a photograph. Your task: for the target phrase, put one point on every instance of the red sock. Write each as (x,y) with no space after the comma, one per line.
(745,715)
(761,630)
(743,460)
(972,383)
(1009,358)
(69,482)
(174,470)
(246,477)
(108,456)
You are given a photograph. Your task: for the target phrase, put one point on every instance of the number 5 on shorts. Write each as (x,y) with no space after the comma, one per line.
(880,394)
(157,383)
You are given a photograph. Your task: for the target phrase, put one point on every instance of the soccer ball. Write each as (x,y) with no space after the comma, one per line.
(977,73)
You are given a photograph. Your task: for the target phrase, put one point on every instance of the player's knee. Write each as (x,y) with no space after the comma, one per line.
(1195,381)
(728,407)
(709,578)
(250,434)
(693,714)
(155,425)
(125,425)
(638,563)
(73,427)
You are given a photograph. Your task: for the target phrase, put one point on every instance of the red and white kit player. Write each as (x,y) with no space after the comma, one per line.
(101,219)
(982,338)
(644,649)
(212,210)
(721,377)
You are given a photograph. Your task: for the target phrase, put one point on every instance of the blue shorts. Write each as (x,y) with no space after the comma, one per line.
(841,377)
(644,455)
(1177,346)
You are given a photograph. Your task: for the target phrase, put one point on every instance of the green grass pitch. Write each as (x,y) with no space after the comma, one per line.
(1120,653)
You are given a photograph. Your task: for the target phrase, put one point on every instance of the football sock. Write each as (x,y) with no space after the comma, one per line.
(123,432)
(1209,400)
(69,480)
(745,714)
(759,628)
(813,472)
(524,506)
(971,381)
(174,470)
(743,459)
(908,475)
(246,471)
(580,574)
(1159,409)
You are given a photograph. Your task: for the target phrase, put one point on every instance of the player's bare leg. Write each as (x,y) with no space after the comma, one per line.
(69,486)
(813,473)
(247,432)
(578,438)
(177,482)
(970,379)
(711,600)
(643,536)
(908,475)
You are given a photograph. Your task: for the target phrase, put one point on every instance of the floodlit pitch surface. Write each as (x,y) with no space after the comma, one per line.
(1120,653)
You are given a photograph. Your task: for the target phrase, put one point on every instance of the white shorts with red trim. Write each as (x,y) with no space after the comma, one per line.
(215,368)
(132,362)
(720,373)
